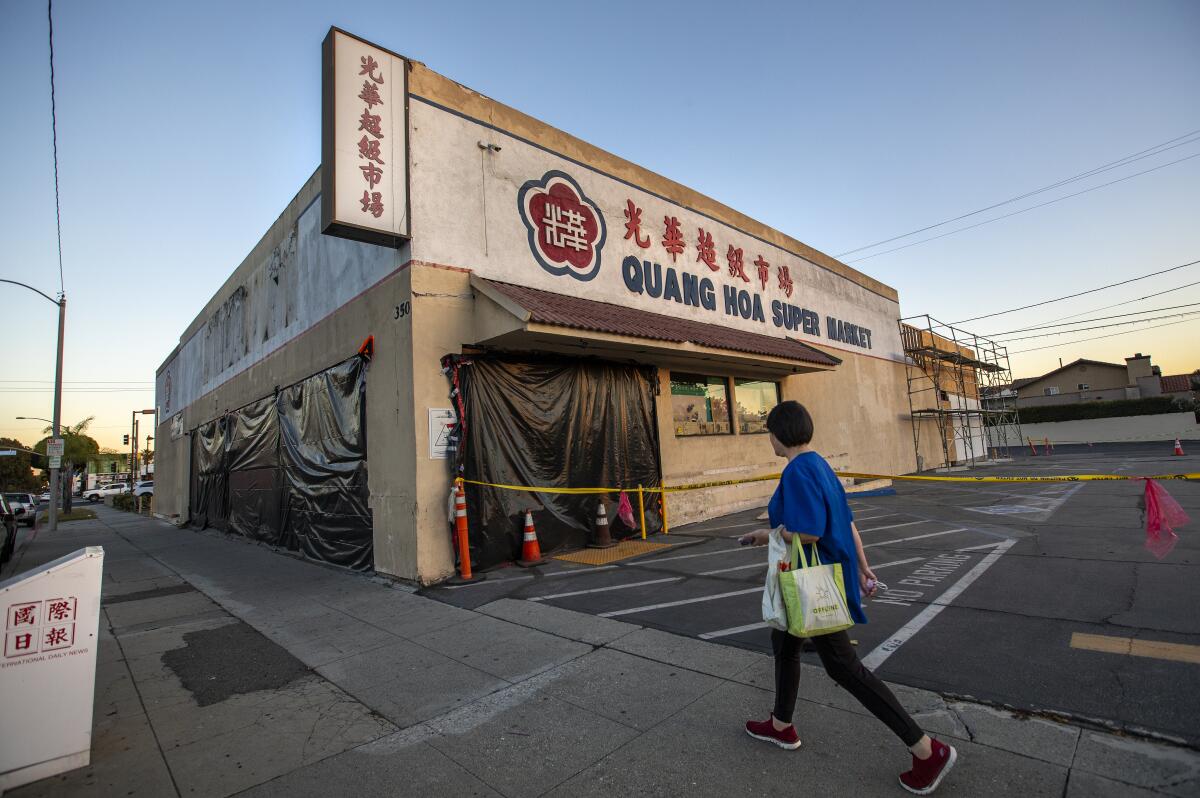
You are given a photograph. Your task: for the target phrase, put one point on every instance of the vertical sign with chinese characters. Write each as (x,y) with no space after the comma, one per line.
(48,667)
(364,141)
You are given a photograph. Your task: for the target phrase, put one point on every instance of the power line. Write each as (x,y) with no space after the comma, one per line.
(1026,210)
(77,390)
(1115,305)
(1128,159)
(1081,293)
(1088,321)
(1103,326)
(54,139)
(1098,337)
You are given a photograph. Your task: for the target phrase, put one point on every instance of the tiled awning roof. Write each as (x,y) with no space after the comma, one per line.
(1176,383)
(545,307)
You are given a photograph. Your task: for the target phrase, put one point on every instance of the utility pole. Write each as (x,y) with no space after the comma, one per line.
(132,447)
(61,302)
(55,476)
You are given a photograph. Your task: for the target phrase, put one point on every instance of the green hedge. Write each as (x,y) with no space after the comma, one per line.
(1149,406)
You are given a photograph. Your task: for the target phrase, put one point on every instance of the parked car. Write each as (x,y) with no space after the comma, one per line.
(8,529)
(144,488)
(24,506)
(113,489)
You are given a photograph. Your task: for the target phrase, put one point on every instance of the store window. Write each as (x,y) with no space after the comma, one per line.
(700,405)
(754,399)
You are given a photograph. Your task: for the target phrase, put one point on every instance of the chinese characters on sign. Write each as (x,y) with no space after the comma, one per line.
(563,230)
(368,148)
(36,627)
(364,146)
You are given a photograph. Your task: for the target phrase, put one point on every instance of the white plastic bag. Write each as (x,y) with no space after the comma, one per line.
(774,613)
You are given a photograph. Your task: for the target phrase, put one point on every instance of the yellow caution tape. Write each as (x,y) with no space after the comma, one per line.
(1060,478)
(721,484)
(853,474)
(527,489)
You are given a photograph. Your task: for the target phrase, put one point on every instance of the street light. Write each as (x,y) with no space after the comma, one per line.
(61,302)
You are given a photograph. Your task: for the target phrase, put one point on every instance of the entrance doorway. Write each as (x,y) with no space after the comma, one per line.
(553,422)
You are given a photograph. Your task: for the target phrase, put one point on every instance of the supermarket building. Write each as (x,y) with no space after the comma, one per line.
(530,310)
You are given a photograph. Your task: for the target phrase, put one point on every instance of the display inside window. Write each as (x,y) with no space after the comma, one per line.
(700,405)
(754,398)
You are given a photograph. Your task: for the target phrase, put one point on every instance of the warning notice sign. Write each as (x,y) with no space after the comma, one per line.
(441,428)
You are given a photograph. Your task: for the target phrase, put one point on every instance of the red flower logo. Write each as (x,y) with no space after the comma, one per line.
(566,229)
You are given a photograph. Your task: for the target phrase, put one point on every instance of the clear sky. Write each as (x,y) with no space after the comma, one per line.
(185,128)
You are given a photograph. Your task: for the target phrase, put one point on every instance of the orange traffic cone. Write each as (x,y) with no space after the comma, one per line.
(464,575)
(531,552)
(1178,448)
(603,538)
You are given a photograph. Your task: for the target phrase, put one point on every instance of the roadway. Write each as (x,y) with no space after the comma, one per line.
(1038,596)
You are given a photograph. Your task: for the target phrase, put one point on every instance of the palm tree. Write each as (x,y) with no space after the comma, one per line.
(77,448)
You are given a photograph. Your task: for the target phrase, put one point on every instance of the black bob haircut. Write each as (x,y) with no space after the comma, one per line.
(790,423)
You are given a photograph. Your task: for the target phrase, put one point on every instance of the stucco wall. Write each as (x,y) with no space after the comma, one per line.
(389,417)
(443,322)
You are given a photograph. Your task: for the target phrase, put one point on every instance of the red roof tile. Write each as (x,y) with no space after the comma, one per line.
(560,310)
(1176,383)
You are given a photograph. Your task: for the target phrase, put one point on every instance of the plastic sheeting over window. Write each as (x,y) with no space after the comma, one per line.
(291,469)
(553,423)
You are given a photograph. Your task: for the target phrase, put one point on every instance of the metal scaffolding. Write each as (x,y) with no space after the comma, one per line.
(959,384)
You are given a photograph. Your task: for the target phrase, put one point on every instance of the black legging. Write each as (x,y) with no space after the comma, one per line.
(842,664)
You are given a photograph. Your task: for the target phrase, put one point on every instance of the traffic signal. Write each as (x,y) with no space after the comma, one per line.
(126,441)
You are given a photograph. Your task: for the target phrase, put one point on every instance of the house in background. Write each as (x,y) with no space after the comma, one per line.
(1094,380)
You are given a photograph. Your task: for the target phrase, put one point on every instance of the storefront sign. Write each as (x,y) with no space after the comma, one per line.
(364,141)
(441,428)
(567,232)
(48,667)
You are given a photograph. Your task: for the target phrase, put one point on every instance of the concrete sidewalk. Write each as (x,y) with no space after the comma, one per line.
(225,668)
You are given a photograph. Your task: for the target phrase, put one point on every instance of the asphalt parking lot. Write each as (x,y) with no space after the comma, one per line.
(1038,596)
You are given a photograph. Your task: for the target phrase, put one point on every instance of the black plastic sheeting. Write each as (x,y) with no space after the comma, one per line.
(553,423)
(210,481)
(291,469)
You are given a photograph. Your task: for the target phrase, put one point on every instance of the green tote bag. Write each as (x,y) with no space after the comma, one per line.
(814,595)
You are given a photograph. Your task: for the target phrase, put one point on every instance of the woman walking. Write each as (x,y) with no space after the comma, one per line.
(810,502)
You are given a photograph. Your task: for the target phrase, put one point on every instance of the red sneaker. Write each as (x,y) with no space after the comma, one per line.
(927,774)
(765,730)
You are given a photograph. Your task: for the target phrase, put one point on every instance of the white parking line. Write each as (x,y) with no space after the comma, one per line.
(893,526)
(715,527)
(915,537)
(605,589)
(692,556)
(520,578)
(763,564)
(979,547)
(893,643)
(733,630)
(680,603)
